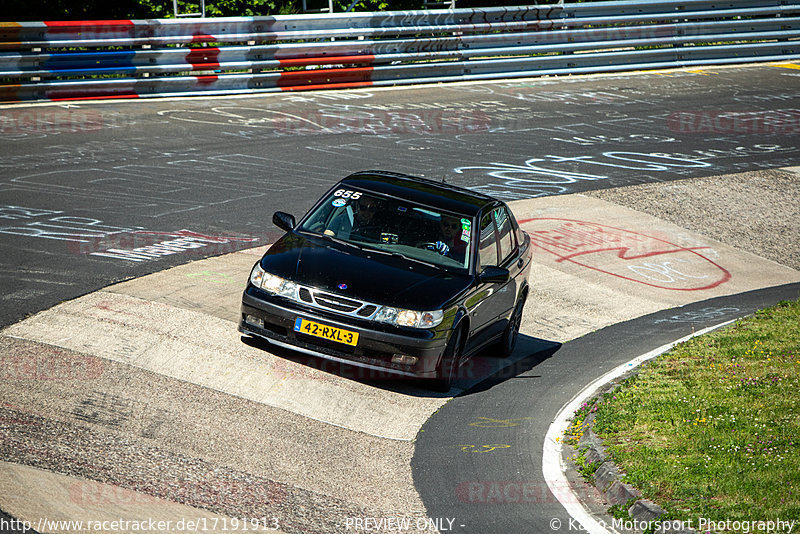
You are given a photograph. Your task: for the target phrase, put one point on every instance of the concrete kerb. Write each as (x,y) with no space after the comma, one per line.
(607,478)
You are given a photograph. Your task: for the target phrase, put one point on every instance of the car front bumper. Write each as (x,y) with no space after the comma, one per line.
(374,350)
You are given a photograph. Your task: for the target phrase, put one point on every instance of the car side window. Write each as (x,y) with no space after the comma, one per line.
(504,231)
(487,248)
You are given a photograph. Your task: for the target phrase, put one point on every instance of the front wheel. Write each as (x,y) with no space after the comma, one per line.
(446,371)
(512,330)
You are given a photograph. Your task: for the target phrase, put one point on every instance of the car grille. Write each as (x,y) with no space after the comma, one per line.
(336,303)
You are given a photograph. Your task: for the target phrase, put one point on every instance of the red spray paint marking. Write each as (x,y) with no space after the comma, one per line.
(365,59)
(325,77)
(203,58)
(203,38)
(576,241)
(87,26)
(325,86)
(207,80)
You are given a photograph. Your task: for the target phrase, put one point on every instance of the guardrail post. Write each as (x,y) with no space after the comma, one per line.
(201,14)
(328,9)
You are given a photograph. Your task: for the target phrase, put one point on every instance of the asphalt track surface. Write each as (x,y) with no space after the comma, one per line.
(501,423)
(83,189)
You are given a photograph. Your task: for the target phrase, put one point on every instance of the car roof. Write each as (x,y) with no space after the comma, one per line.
(439,195)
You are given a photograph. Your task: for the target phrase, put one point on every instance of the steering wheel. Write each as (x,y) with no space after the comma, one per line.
(439,247)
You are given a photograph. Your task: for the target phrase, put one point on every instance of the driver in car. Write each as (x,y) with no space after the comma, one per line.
(448,239)
(359,220)
(450,228)
(450,242)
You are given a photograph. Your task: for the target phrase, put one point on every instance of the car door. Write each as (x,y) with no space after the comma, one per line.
(492,301)
(511,258)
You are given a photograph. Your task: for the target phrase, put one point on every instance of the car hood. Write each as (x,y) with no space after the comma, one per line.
(368,276)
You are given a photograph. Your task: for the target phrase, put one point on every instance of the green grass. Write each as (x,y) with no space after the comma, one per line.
(586,469)
(712,428)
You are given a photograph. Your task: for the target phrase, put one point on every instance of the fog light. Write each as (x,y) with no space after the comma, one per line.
(253,320)
(404,359)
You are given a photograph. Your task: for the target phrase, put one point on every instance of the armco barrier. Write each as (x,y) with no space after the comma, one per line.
(59,60)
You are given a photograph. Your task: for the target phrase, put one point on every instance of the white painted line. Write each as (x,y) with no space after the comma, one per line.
(553,466)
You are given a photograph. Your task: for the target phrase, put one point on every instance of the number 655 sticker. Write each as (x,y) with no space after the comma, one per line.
(346,193)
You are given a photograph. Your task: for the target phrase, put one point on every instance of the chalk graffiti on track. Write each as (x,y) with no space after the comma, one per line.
(557,174)
(627,254)
(542,176)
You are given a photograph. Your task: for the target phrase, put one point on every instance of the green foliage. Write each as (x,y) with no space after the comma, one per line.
(22,10)
(620,511)
(585,468)
(371,5)
(236,8)
(711,428)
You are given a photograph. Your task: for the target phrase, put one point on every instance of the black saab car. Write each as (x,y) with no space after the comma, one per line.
(393,273)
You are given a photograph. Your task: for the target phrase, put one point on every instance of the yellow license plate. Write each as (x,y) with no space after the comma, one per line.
(331,333)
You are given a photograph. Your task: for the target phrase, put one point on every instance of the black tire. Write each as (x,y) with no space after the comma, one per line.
(446,371)
(511,332)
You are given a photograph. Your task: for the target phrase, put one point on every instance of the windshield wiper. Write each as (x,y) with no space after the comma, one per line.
(340,241)
(380,251)
(403,256)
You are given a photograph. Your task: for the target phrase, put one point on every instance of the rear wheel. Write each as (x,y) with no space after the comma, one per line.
(511,333)
(446,371)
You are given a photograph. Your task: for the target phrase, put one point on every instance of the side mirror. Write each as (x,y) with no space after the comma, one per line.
(284,221)
(494,275)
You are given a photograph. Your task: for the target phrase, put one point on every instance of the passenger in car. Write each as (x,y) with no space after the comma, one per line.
(451,235)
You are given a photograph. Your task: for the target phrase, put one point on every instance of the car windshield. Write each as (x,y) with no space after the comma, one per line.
(394,226)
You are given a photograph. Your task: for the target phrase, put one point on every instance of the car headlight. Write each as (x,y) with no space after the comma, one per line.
(414,319)
(272,284)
